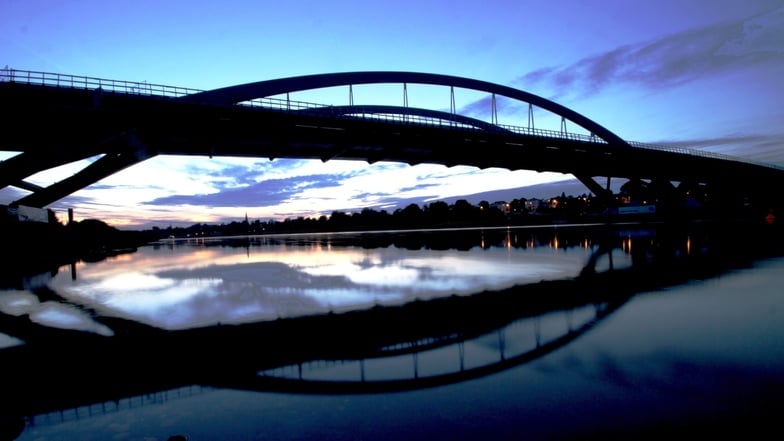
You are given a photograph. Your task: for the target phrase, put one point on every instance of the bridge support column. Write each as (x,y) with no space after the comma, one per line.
(131,152)
(605,194)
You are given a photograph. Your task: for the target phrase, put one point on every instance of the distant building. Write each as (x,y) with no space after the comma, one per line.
(24,213)
(637,209)
(533,205)
(501,205)
(632,209)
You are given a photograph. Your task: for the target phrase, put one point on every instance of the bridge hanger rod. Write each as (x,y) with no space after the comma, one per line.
(405,100)
(494,111)
(452,106)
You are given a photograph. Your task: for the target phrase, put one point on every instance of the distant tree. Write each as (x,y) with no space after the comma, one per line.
(338,220)
(410,216)
(413,209)
(464,212)
(437,212)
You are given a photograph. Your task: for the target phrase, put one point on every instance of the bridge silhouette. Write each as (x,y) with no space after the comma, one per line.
(56,119)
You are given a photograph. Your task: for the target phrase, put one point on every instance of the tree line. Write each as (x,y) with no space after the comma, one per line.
(438,214)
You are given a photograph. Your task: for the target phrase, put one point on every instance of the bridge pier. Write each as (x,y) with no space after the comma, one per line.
(604,194)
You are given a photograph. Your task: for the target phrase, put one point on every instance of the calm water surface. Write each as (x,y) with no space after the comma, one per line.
(556,333)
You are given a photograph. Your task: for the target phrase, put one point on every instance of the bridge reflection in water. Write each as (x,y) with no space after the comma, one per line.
(435,361)
(416,345)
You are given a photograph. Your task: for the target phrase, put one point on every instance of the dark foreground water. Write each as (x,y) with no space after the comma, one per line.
(576,332)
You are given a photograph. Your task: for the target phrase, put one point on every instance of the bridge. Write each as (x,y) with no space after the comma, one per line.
(55,119)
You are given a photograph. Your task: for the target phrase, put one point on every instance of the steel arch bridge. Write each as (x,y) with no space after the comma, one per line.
(77,118)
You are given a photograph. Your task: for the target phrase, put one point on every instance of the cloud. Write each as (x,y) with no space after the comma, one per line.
(418,187)
(267,193)
(389,203)
(228,173)
(481,108)
(673,60)
(765,148)
(392,201)
(230,177)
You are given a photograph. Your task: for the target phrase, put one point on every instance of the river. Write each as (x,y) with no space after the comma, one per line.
(560,332)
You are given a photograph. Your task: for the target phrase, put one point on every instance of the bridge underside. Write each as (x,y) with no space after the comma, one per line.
(74,124)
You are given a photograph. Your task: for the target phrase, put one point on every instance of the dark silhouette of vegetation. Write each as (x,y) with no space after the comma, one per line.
(435,215)
(32,247)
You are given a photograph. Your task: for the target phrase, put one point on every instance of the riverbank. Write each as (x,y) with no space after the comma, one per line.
(35,247)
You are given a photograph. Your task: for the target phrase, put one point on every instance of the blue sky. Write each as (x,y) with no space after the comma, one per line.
(705,74)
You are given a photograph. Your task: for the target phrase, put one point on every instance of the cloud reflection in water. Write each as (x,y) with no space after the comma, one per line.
(48,313)
(170,289)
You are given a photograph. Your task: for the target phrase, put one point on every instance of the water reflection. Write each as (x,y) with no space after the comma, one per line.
(433,360)
(201,282)
(508,297)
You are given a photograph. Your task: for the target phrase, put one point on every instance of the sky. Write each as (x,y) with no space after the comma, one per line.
(703,74)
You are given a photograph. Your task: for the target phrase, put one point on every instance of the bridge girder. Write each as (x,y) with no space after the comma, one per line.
(132,153)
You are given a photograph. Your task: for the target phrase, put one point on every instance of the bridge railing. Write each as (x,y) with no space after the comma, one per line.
(92,83)
(700,153)
(108,407)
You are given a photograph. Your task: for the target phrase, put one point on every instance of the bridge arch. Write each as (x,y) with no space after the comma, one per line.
(232,95)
